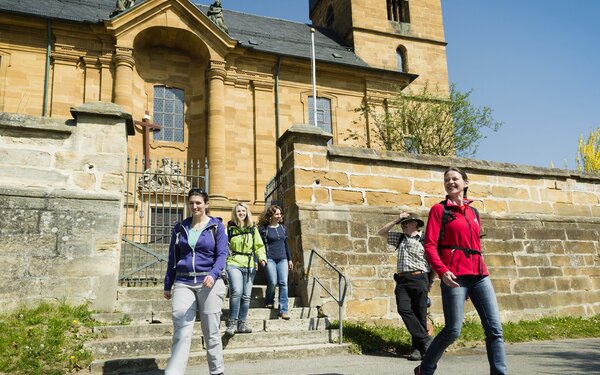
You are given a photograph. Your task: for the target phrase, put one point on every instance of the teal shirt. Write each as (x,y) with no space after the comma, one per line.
(194,236)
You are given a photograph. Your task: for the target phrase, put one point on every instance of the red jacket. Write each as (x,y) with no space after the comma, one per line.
(463,231)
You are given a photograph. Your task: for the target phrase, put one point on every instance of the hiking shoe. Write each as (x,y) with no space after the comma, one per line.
(284,316)
(243,328)
(231,328)
(419,370)
(415,355)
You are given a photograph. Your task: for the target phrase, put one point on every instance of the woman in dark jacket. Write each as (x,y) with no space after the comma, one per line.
(197,255)
(279,259)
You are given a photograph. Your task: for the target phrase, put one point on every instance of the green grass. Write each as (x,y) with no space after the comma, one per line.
(365,338)
(45,340)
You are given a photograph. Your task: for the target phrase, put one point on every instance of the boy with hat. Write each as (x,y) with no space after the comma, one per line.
(412,279)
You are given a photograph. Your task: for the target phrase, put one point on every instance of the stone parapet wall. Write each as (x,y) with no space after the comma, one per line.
(61,191)
(542,227)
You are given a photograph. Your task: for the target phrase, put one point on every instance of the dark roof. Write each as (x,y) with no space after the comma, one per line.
(286,38)
(90,11)
(260,33)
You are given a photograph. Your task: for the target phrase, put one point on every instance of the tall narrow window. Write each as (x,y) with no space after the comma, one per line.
(398,10)
(401,60)
(323,113)
(168,113)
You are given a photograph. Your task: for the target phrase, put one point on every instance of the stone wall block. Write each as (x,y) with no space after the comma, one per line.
(532,260)
(332,227)
(532,285)
(545,247)
(523,272)
(550,271)
(358,230)
(581,247)
(530,208)
(19,157)
(563,209)
(495,232)
(499,260)
(383,199)
(359,246)
(546,234)
(372,308)
(502,247)
(582,235)
(305,177)
(84,180)
(400,185)
(19,221)
(347,197)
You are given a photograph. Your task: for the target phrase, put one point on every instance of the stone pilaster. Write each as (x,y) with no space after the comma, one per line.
(216,129)
(123,86)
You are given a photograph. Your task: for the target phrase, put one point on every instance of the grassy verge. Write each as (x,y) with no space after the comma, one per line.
(366,338)
(45,340)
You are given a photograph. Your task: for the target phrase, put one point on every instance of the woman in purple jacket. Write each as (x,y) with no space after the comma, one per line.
(197,256)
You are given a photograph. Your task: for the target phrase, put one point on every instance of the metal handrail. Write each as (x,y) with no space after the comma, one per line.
(342,292)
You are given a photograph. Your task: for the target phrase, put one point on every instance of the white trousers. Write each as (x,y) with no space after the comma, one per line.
(208,301)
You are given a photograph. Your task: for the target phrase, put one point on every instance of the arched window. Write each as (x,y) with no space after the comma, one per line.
(401,65)
(168,113)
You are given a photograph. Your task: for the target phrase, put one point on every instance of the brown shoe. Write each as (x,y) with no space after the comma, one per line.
(284,316)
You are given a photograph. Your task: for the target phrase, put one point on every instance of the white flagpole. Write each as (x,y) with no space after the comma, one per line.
(314,75)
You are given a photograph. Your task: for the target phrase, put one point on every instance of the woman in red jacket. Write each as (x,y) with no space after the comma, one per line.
(453,249)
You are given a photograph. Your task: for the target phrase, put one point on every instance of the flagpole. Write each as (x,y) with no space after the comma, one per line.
(314,75)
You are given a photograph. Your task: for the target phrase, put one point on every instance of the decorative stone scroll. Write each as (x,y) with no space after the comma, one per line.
(167,178)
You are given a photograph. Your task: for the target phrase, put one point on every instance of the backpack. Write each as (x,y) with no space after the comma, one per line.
(446,216)
(231,235)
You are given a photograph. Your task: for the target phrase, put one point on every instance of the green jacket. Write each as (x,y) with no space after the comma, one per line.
(240,246)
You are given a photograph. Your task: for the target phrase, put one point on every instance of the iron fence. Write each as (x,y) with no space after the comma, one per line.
(155,199)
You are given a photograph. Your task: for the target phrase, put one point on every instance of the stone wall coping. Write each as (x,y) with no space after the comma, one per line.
(424,211)
(21,122)
(32,192)
(370,155)
(104,109)
(305,133)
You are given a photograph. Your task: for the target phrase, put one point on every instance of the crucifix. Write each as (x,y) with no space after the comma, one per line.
(147,125)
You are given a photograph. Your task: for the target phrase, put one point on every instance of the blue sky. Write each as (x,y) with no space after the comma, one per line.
(535,63)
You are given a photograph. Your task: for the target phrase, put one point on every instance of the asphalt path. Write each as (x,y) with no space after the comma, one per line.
(564,357)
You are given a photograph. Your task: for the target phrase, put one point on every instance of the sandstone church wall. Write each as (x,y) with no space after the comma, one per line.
(61,191)
(542,227)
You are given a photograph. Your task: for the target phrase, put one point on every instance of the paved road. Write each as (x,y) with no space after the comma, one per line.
(565,357)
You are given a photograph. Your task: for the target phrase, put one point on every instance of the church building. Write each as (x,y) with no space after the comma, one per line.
(206,83)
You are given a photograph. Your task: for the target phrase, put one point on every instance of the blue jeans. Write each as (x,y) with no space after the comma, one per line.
(277,275)
(240,289)
(481,292)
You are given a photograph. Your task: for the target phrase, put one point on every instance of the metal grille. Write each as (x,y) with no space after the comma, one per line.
(155,199)
(274,191)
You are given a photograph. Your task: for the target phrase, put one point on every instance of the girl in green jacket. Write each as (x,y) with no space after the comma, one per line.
(246,250)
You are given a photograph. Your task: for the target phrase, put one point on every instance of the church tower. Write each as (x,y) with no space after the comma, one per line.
(399,35)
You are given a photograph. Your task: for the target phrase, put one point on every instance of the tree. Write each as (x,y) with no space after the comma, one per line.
(426,123)
(588,153)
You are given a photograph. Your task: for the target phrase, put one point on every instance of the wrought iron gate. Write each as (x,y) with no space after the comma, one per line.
(155,199)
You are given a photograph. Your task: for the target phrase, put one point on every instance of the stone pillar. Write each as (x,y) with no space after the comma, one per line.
(123,87)
(264,137)
(294,144)
(92,79)
(216,129)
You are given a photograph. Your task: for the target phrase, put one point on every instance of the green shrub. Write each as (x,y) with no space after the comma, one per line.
(45,340)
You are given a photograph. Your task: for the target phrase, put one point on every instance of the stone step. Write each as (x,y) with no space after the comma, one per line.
(128,347)
(165,316)
(166,329)
(150,365)
(161,304)
(151,292)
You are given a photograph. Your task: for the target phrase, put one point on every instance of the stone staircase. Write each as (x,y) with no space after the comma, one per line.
(138,335)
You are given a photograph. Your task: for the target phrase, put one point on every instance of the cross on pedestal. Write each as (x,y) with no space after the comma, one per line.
(147,125)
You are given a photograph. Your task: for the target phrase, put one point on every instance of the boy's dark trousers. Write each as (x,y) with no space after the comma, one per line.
(411,300)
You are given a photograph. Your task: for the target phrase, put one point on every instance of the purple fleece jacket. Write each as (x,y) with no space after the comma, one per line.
(206,256)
